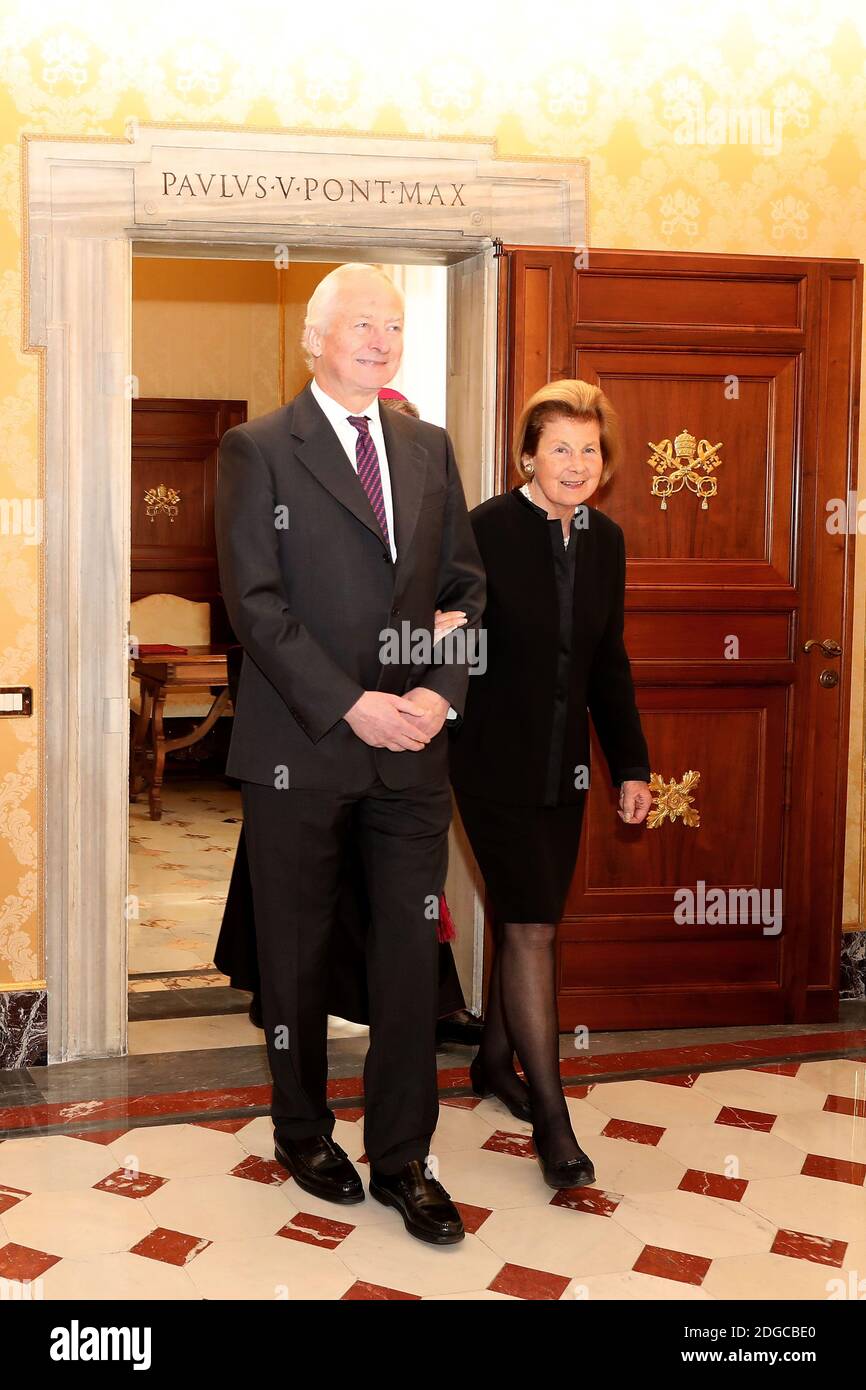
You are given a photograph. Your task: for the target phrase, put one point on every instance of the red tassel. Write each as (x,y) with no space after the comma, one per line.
(445,929)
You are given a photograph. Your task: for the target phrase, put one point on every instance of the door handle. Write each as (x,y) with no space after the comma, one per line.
(829,647)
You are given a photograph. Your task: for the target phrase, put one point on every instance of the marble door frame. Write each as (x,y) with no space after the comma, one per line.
(82,219)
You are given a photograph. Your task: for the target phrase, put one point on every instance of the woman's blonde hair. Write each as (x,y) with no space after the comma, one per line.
(573,400)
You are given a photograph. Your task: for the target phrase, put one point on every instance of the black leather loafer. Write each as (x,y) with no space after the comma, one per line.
(570,1172)
(427,1210)
(320,1167)
(482,1087)
(462,1027)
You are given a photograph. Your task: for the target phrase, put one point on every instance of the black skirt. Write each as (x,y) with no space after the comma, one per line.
(526,854)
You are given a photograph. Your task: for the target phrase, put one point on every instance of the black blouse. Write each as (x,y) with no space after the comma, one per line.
(554,630)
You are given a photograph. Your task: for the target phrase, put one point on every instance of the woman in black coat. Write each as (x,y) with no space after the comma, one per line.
(520,758)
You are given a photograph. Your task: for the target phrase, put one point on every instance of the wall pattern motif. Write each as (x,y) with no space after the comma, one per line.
(739,128)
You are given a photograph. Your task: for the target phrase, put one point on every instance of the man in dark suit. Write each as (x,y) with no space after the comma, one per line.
(337,527)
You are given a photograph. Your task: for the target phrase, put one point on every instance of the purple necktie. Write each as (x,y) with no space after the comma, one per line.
(368,471)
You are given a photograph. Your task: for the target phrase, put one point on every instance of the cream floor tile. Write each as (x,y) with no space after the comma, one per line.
(49,1163)
(120,1275)
(192,1034)
(147,955)
(221,1207)
(560,1242)
(624,1167)
(488,1179)
(818,1206)
(769,1277)
(269,1268)
(695,1224)
(650,1103)
(586,1119)
(460,1129)
(178,1151)
(734,1152)
(498,1116)
(855,1259)
(839,1077)
(826,1133)
(758,1090)
(257,1137)
(366,1213)
(78,1224)
(344,1028)
(631,1287)
(388,1255)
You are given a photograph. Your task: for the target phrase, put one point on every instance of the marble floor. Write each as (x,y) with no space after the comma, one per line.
(730,1163)
(179,871)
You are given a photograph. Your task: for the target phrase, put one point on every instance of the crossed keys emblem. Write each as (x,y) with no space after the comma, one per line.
(685,462)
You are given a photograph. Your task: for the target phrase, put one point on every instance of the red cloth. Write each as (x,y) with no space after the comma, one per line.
(445,930)
(158,648)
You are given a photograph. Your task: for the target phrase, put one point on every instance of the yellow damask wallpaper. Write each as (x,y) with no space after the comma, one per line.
(733,128)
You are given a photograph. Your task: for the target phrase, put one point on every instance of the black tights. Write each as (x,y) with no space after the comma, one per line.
(521,1017)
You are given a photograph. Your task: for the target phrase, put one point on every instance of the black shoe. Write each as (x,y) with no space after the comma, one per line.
(482,1087)
(320,1167)
(568,1172)
(255,1011)
(425,1206)
(462,1027)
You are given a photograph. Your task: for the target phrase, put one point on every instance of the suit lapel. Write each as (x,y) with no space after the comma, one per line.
(321,452)
(407,465)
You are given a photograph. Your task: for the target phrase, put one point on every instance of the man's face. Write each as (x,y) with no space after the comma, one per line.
(359,349)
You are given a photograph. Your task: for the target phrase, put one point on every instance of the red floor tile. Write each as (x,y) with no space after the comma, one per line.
(171,1247)
(502,1142)
(360,1290)
(10,1197)
(745,1119)
(634,1132)
(846,1105)
(672,1264)
(124,1184)
(800,1245)
(837,1169)
(521,1282)
(316,1230)
(713,1184)
(265,1170)
(21,1263)
(592,1200)
(473,1217)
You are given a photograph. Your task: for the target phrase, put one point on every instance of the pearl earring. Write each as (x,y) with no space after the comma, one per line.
(530,467)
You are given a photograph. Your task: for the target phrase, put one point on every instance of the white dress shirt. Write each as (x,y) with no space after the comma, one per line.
(338,415)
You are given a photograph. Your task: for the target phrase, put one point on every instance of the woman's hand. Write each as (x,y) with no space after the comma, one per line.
(446,622)
(635,800)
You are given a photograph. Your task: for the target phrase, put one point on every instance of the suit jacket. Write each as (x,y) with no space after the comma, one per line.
(500,751)
(309,586)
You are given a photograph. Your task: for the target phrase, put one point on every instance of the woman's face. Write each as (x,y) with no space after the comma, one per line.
(568,463)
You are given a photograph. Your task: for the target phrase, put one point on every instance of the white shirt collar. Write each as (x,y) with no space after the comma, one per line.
(528,495)
(337,413)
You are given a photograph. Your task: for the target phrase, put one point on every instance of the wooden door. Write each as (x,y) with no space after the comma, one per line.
(760,356)
(175,444)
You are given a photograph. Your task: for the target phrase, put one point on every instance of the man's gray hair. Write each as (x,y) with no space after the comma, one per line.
(321,302)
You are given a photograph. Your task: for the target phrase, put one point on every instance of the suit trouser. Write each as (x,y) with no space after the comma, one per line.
(297,844)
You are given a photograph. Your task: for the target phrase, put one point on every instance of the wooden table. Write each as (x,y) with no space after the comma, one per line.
(161,675)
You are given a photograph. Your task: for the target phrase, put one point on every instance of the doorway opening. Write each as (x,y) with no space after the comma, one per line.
(215,341)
